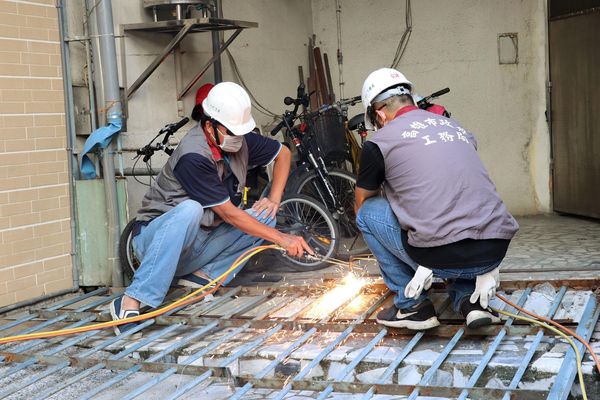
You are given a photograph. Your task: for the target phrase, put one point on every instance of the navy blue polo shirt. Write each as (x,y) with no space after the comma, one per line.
(199,177)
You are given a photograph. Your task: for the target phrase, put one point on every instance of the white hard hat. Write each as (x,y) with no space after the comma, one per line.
(376,83)
(229,104)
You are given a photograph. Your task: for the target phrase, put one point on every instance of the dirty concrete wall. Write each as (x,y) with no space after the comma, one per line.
(267,57)
(35,238)
(454,44)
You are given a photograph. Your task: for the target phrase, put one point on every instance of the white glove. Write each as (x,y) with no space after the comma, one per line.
(485,287)
(421,281)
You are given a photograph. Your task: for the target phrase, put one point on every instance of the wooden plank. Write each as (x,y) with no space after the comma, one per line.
(321,81)
(329,82)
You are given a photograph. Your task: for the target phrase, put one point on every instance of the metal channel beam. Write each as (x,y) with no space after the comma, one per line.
(534,344)
(568,370)
(394,389)
(159,59)
(492,348)
(215,56)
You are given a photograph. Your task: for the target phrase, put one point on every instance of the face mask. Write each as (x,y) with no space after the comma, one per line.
(232,144)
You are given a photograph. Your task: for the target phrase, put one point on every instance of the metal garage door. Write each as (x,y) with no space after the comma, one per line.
(575,96)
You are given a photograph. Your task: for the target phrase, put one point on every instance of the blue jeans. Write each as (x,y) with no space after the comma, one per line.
(381,231)
(173,245)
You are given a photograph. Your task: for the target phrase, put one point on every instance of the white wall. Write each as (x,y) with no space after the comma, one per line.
(267,56)
(454,44)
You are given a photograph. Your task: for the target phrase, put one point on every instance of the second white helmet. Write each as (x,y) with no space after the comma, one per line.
(229,104)
(377,82)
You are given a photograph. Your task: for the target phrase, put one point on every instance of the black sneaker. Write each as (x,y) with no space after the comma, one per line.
(117,312)
(476,315)
(418,317)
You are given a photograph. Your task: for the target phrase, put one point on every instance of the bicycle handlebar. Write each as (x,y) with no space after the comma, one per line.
(277,128)
(426,100)
(170,129)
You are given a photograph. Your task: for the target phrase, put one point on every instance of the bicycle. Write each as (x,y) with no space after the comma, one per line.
(331,186)
(298,215)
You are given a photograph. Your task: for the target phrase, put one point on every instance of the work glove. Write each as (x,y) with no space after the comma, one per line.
(420,281)
(485,287)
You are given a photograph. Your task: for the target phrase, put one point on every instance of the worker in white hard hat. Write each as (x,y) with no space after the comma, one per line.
(191,226)
(440,214)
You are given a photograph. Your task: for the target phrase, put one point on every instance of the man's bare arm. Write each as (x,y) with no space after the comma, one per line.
(281,170)
(294,245)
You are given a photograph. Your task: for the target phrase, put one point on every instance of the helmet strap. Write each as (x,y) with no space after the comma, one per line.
(215,131)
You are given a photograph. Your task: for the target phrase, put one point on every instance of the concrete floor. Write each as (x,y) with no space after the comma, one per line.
(547,247)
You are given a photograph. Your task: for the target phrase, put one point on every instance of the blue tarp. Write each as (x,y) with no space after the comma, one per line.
(101,137)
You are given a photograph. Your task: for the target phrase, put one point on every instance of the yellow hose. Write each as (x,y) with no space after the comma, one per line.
(557,331)
(190,298)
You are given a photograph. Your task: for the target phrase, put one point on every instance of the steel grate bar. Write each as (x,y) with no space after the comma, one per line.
(245,307)
(190,385)
(126,352)
(82,375)
(54,308)
(348,369)
(492,348)
(297,313)
(297,343)
(213,304)
(306,370)
(201,379)
(437,363)
(194,335)
(50,322)
(400,357)
(534,345)
(102,345)
(66,344)
(65,364)
(568,369)
(196,356)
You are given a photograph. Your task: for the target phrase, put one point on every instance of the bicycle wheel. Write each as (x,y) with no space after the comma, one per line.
(304,216)
(343,183)
(129,262)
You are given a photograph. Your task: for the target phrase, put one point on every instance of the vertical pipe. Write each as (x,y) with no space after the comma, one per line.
(70,123)
(216,42)
(112,106)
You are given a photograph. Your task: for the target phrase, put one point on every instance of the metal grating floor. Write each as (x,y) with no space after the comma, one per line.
(269,342)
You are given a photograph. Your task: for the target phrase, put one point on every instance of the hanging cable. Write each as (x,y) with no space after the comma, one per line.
(259,107)
(405,36)
(340,56)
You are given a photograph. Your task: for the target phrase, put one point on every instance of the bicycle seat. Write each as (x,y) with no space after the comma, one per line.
(357,119)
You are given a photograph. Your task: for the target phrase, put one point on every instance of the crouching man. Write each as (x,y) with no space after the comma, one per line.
(440,214)
(191,228)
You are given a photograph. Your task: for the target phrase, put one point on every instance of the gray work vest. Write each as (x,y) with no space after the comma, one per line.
(436,183)
(166,192)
